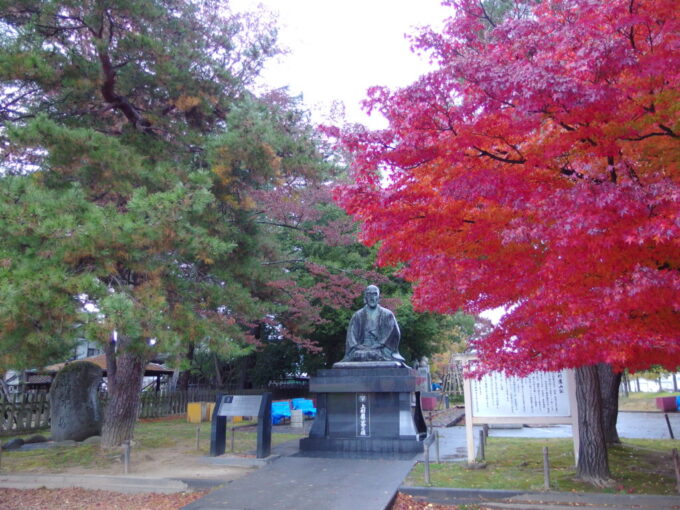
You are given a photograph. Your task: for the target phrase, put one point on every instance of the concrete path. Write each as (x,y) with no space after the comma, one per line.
(311,483)
(631,425)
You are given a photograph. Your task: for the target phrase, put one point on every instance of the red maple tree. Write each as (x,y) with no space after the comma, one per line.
(537,169)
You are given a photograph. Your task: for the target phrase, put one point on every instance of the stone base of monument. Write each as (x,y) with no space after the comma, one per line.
(369,410)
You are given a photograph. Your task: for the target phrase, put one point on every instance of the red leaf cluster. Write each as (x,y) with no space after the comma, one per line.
(537,168)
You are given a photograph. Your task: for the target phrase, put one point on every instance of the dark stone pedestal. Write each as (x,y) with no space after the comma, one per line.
(366,410)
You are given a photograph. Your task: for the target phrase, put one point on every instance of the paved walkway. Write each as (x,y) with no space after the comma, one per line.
(311,483)
(630,424)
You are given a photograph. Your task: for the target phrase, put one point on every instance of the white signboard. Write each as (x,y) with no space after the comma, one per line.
(539,399)
(538,395)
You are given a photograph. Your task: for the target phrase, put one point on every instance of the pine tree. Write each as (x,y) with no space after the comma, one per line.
(111,194)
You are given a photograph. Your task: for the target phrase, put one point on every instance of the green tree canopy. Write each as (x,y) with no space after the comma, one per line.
(130,148)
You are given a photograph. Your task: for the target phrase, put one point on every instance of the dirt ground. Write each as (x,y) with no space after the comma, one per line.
(166,463)
(161,463)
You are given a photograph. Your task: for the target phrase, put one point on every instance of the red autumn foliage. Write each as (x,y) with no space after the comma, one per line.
(304,215)
(537,168)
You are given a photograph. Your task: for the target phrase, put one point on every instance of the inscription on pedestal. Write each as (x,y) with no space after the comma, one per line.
(363,416)
(366,411)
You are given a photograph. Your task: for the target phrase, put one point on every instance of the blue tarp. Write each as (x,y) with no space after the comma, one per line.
(280,411)
(305,405)
(677,402)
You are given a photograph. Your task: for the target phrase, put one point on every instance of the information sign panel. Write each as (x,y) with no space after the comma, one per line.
(538,394)
(541,398)
(242,405)
(239,405)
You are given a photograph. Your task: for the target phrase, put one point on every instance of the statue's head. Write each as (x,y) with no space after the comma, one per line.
(372,296)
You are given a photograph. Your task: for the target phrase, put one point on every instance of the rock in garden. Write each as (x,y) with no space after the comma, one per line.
(75,410)
(13,444)
(37,438)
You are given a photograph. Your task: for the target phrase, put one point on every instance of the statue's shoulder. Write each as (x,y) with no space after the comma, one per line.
(359,313)
(385,311)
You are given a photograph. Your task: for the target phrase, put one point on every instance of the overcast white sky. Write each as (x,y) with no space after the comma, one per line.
(338,49)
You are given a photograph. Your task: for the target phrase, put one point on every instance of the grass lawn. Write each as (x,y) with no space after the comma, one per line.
(642,401)
(171,433)
(639,466)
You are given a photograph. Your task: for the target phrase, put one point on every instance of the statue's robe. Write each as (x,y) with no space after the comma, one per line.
(382,345)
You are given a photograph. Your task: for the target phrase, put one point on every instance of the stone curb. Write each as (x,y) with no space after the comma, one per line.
(96,482)
(235,461)
(519,499)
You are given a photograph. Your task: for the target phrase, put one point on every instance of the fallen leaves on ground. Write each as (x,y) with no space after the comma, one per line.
(406,502)
(82,499)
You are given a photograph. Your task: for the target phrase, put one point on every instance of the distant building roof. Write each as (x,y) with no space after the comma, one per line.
(150,370)
(39,379)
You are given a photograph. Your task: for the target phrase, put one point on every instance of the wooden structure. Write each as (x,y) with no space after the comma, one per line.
(151,370)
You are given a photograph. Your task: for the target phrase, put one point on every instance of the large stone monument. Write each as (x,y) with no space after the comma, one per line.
(75,411)
(367,403)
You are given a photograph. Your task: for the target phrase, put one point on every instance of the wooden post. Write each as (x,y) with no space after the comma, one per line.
(427,464)
(676,464)
(668,422)
(126,457)
(546,469)
(198,436)
(232,438)
(481,445)
(436,444)
(485,428)
(469,435)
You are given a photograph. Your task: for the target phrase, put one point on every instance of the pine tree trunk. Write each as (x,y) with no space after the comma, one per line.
(609,390)
(593,465)
(218,372)
(125,372)
(183,379)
